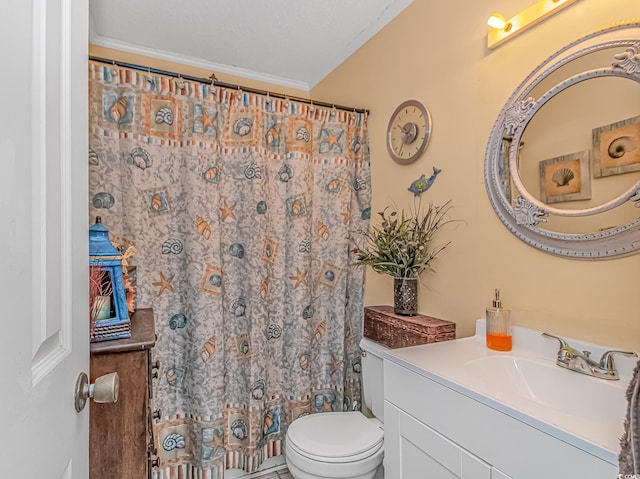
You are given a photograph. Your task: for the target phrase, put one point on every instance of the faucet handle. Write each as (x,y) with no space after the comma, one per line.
(565,353)
(563,343)
(607,358)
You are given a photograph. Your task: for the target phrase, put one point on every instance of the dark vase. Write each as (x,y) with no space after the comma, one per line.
(405,296)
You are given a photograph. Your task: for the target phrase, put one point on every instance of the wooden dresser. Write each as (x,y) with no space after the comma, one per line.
(119,433)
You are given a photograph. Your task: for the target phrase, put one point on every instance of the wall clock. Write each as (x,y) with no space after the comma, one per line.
(408,132)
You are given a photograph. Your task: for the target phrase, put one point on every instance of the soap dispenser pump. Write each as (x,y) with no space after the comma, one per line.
(498,326)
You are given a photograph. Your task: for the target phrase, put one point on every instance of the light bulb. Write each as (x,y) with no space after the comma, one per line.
(497,21)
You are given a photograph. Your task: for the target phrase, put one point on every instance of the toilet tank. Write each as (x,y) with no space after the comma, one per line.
(372,377)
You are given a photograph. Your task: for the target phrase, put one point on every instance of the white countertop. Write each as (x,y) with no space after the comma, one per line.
(526,384)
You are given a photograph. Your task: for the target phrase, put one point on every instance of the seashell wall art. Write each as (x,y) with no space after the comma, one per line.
(616,148)
(621,146)
(565,178)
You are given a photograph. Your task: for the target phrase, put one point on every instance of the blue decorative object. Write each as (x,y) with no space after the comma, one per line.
(103,255)
(422,184)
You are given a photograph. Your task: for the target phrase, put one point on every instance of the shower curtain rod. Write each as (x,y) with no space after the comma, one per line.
(214,81)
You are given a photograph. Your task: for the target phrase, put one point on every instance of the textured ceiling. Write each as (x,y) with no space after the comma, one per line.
(293,43)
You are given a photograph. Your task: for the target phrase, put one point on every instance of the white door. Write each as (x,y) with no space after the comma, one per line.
(43,238)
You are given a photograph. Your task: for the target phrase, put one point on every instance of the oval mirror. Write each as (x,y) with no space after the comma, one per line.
(562,166)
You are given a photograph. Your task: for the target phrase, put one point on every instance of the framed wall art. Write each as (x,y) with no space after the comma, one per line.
(565,178)
(616,148)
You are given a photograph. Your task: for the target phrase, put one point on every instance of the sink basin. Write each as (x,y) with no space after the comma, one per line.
(543,382)
(527,385)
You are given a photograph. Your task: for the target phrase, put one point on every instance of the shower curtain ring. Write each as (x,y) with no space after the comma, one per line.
(240,95)
(267,102)
(180,82)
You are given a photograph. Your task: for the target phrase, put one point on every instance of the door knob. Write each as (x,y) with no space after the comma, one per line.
(104,390)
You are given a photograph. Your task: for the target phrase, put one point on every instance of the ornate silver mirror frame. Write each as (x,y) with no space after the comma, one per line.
(525,215)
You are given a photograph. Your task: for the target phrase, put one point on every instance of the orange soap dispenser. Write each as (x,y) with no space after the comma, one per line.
(498,326)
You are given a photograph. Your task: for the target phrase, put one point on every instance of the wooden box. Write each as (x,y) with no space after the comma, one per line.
(383,326)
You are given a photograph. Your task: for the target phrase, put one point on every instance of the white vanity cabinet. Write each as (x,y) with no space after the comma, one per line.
(433,431)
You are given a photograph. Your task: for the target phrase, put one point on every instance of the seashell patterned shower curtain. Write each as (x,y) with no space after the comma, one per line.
(241,208)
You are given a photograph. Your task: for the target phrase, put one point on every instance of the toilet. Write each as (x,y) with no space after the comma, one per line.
(344,445)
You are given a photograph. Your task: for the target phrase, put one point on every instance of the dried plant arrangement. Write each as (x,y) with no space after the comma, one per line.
(403,245)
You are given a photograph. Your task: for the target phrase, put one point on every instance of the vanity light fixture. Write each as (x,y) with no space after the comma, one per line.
(503,29)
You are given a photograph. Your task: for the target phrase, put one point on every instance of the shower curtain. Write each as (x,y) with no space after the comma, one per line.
(242,209)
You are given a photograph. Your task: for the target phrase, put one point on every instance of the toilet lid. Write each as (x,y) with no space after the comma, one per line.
(335,434)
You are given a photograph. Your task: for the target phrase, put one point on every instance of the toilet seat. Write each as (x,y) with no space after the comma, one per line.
(334,445)
(293,448)
(315,437)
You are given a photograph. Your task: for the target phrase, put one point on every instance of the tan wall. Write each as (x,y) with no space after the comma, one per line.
(436,52)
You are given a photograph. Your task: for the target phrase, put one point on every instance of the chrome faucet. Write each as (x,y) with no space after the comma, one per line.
(580,361)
